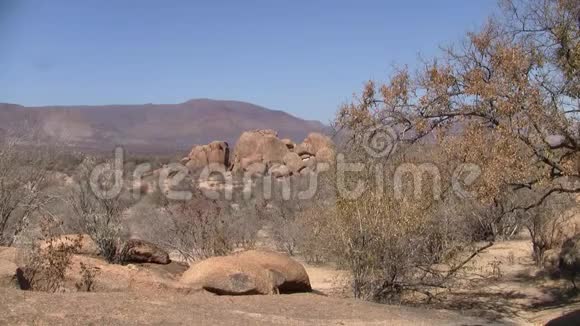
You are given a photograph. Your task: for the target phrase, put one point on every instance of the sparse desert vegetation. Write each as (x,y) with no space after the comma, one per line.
(445,195)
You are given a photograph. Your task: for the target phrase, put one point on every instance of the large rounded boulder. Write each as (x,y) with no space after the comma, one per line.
(293,162)
(317,145)
(317,141)
(249,272)
(218,152)
(231,275)
(262,145)
(200,156)
(295,278)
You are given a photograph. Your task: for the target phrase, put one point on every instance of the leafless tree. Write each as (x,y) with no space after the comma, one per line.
(99,216)
(23,175)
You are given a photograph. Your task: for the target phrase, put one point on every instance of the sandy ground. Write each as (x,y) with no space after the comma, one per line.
(513,287)
(20,307)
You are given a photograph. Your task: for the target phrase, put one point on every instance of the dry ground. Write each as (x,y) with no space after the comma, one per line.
(20,307)
(516,288)
(513,288)
(514,291)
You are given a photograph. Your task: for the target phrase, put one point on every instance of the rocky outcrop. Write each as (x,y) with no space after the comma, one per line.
(251,272)
(107,277)
(262,146)
(261,151)
(258,153)
(200,156)
(316,142)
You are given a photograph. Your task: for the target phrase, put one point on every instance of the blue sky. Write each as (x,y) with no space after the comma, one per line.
(304,57)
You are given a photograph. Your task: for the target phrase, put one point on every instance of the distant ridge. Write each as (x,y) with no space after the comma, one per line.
(149,127)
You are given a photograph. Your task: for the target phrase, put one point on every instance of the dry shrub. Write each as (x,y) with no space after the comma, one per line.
(295,230)
(88,278)
(391,248)
(45,268)
(197,232)
(23,177)
(243,224)
(286,231)
(99,217)
(392,239)
(200,228)
(311,241)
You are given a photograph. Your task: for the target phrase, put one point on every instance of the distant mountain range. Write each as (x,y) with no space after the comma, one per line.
(149,127)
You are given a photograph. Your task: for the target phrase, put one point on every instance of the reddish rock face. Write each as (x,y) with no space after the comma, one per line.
(257,145)
(260,152)
(200,156)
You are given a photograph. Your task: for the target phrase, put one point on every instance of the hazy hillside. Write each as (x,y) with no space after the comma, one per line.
(155,127)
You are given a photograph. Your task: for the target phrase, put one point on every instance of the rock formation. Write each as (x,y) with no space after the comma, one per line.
(261,151)
(200,156)
(250,272)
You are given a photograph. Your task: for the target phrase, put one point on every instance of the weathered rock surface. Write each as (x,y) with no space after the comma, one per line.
(326,155)
(250,272)
(281,157)
(261,153)
(289,143)
(293,162)
(139,251)
(79,243)
(231,275)
(295,277)
(279,171)
(108,277)
(200,156)
(259,146)
(316,141)
(256,169)
(8,274)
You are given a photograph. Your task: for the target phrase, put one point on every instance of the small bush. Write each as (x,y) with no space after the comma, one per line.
(46,266)
(87,281)
(99,217)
